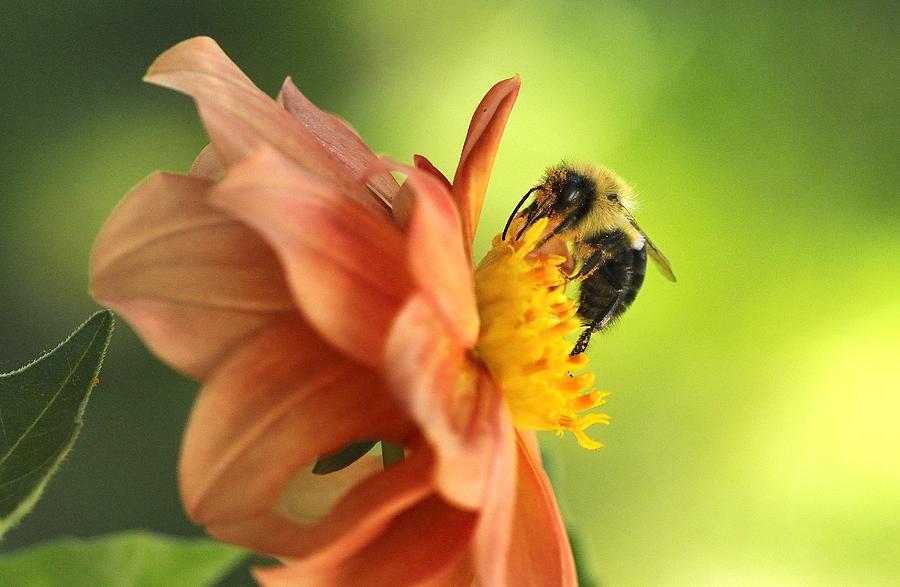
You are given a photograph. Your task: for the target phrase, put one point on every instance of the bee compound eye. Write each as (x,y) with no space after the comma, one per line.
(571,196)
(612,197)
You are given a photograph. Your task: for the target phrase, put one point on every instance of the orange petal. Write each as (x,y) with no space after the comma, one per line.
(450,398)
(493,533)
(460,574)
(529,440)
(402,205)
(192,280)
(421,162)
(403,201)
(417,546)
(540,553)
(358,517)
(207,165)
(274,533)
(437,254)
(477,159)
(281,400)
(239,117)
(344,264)
(338,138)
(307,497)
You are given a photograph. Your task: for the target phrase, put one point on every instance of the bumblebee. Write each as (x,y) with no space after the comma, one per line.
(588,206)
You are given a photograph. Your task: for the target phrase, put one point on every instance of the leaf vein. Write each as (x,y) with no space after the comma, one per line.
(54,397)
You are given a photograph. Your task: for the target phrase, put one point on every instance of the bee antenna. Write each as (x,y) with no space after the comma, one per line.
(516,210)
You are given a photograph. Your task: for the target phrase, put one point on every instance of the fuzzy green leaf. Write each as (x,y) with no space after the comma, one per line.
(138,559)
(41,409)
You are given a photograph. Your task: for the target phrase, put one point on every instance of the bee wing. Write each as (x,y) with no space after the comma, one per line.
(661,262)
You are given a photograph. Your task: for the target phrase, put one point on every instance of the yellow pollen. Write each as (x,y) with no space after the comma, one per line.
(525,318)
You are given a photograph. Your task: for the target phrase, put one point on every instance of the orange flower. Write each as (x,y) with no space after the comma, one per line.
(321,303)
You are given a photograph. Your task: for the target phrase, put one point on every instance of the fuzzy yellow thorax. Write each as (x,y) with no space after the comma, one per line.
(525,318)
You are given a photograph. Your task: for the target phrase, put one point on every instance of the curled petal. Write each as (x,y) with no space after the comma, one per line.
(307,497)
(239,117)
(449,396)
(338,138)
(207,165)
(402,204)
(280,401)
(437,254)
(416,546)
(421,162)
(192,280)
(279,534)
(344,264)
(477,159)
(367,502)
(540,553)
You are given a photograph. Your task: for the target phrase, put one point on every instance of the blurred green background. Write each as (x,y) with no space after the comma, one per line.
(755,436)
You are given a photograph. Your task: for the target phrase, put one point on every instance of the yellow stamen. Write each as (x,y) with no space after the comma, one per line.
(525,317)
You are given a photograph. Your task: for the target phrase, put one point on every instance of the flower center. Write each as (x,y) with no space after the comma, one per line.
(525,318)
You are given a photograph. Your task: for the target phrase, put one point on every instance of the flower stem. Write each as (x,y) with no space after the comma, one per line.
(391,453)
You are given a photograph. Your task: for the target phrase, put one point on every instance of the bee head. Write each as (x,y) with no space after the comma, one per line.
(572,197)
(566,193)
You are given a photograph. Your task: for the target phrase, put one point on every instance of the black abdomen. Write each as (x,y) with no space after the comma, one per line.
(612,287)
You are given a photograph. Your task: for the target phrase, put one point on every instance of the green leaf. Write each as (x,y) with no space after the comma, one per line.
(141,559)
(41,409)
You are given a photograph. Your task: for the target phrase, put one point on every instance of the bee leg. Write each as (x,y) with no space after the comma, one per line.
(589,266)
(567,223)
(582,343)
(603,321)
(602,248)
(608,274)
(598,324)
